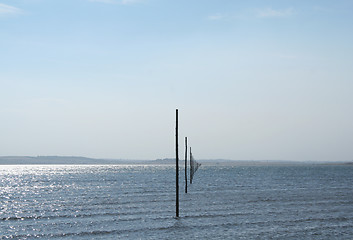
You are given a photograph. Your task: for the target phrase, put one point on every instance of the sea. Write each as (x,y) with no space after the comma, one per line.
(138,202)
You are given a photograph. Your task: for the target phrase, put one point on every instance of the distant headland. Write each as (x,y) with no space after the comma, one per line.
(75,160)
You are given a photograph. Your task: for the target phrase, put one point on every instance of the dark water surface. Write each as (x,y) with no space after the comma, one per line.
(137,202)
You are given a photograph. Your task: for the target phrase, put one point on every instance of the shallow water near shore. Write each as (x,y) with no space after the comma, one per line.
(138,202)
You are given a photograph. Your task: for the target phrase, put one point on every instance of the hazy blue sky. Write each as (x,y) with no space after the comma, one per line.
(102,78)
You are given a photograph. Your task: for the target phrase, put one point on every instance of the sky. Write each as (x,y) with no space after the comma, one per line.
(253,80)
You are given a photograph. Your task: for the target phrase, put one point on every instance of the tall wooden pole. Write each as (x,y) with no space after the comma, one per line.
(186,165)
(176,167)
(190,167)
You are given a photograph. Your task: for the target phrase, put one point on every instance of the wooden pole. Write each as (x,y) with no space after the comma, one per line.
(190,167)
(186,165)
(176,167)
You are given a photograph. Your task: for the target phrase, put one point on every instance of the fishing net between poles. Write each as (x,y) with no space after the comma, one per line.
(194,165)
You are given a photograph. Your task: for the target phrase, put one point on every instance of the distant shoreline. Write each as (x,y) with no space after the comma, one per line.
(73,160)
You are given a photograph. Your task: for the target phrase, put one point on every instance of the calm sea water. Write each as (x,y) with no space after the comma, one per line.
(138,202)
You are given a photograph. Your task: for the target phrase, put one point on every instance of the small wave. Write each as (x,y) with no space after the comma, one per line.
(130,215)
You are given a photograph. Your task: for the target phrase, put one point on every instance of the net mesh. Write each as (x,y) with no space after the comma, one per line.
(194,165)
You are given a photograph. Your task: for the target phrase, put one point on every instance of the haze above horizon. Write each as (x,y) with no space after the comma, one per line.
(251,79)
